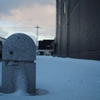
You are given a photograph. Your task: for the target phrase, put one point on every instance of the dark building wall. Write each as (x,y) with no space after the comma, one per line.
(1,45)
(0,49)
(78,34)
(74,25)
(61,34)
(45,44)
(90,29)
(58,27)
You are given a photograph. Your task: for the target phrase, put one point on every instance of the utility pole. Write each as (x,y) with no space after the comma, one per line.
(37,27)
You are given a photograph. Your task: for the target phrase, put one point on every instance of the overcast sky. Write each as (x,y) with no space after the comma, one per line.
(25,15)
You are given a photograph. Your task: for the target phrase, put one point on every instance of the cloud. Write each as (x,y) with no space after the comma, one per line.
(3,34)
(27,18)
(25,15)
(7,5)
(33,15)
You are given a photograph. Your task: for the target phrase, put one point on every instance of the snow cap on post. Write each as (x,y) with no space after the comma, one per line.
(19,47)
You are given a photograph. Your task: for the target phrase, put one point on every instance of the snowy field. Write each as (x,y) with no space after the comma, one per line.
(64,79)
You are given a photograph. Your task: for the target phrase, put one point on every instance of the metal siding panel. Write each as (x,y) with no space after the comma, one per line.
(74,24)
(83,32)
(63,31)
(83,24)
(58,30)
(72,4)
(64,42)
(95,55)
(90,28)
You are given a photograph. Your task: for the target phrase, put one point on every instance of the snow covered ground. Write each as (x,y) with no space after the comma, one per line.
(64,79)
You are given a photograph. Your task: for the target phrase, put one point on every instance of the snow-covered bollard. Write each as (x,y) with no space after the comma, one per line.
(19,68)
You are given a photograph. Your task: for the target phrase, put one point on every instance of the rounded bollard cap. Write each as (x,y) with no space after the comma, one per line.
(19,47)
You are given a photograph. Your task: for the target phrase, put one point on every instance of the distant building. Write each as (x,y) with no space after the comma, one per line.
(45,47)
(78,29)
(1,45)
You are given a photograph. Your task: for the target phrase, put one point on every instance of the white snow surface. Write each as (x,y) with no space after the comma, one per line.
(64,79)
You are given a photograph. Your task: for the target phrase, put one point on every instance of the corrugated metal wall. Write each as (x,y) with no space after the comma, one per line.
(90,29)
(61,33)
(78,34)
(74,28)
(63,30)
(58,20)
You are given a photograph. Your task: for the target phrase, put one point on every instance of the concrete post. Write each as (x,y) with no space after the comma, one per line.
(19,68)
